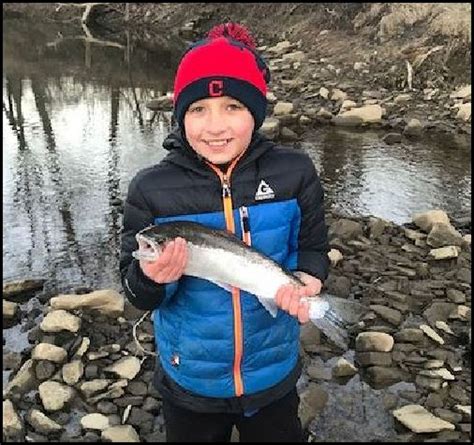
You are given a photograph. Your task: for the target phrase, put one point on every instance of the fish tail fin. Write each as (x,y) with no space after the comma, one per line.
(333,329)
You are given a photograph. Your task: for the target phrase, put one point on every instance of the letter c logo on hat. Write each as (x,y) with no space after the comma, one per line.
(216,88)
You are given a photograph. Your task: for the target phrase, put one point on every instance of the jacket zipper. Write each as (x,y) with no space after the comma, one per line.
(245,225)
(230,225)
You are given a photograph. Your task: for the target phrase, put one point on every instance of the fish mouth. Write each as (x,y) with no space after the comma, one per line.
(147,249)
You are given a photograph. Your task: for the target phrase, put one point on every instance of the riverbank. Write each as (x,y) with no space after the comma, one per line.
(83,377)
(354,65)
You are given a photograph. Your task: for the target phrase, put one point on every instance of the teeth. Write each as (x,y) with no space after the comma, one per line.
(218,143)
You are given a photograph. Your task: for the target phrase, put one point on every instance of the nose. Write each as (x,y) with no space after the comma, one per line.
(215,124)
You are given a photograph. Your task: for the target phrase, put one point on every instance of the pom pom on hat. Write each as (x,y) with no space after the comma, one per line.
(223,64)
(234,31)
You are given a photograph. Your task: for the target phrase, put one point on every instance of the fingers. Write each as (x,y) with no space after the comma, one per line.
(179,260)
(171,263)
(289,299)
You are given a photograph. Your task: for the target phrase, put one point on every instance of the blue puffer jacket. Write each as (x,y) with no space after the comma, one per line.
(212,343)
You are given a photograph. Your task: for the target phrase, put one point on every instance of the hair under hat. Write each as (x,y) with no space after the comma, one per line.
(223,64)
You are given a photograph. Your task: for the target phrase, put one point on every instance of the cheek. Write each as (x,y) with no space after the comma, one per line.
(243,128)
(191,129)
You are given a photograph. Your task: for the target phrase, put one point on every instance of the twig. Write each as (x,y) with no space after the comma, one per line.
(134,332)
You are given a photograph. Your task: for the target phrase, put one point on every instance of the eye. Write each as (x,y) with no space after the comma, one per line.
(196,109)
(235,106)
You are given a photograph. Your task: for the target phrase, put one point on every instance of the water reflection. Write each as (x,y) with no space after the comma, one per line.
(363,175)
(76,130)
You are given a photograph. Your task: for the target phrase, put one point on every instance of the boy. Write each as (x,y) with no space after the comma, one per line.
(223,360)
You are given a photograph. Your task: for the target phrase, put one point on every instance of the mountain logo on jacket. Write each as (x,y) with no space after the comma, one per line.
(264,191)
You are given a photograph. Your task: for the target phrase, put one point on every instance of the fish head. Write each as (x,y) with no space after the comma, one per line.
(151,243)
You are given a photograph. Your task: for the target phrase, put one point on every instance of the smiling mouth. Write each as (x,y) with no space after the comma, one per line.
(217,143)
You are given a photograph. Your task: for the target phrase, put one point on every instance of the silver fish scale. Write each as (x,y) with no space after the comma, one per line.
(222,258)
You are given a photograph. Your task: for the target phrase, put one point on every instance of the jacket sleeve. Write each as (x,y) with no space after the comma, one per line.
(141,291)
(313,245)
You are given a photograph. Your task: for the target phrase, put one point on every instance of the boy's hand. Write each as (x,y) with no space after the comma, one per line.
(170,265)
(288,296)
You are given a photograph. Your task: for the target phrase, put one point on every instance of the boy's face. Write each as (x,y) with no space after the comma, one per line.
(218,128)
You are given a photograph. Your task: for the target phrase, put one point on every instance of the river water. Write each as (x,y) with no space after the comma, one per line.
(76,130)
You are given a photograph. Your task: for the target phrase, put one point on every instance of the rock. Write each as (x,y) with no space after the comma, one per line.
(339,286)
(402,98)
(22,288)
(345,229)
(346,105)
(126,367)
(374,341)
(373,358)
(95,421)
(92,386)
(393,316)
(60,320)
(106,301)
(443,235)
(461,93)
(288,135)
(42,423)
(72,372)
(335,256)
(44,370)
(282,108)
(55,395)
(271,127)
(280,47)
(271,98)
(343,368)
(296,56)
(338,95)
(392,138)
(10,309)
(312,401)
(460,312)
(324,92)
(46,351)
(442,373)
(324,114)
(426,220)
(413,128)
(409,335)
(444,253)
(23,381)
(367,113)
(120,433)
(346,121)
(419,420)
(431,333)
(83,347)
(310,337)
(12,425)
(376,227)
(381,376)
(465,410)
(464,112)
(444,327)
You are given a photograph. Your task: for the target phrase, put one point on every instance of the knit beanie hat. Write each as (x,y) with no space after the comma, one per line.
(223,64)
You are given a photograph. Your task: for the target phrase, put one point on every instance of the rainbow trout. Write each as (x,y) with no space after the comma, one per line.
(222,258)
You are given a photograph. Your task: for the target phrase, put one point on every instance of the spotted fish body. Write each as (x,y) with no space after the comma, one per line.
(225,260)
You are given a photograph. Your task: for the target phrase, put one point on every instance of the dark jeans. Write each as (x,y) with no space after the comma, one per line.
(277,422)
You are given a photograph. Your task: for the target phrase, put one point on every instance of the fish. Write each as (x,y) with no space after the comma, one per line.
(223,259)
